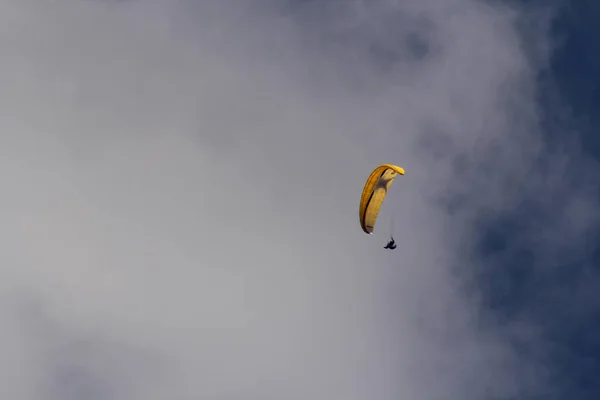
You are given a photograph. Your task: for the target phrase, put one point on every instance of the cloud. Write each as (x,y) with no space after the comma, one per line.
(181,188)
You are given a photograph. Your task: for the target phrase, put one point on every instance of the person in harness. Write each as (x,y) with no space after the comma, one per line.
(391,244)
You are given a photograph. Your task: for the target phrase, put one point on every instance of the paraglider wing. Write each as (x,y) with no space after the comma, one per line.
(374,192)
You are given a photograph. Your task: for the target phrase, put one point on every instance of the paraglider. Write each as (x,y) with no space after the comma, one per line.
(374,192)
(391,244)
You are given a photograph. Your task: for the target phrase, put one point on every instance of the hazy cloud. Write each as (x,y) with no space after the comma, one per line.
(181,183)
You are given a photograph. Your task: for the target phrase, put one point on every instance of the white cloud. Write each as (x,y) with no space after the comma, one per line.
(180,198)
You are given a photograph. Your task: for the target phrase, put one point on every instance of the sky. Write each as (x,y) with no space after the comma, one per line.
(180,200)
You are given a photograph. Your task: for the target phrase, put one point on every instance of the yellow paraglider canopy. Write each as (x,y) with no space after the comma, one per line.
(374,192)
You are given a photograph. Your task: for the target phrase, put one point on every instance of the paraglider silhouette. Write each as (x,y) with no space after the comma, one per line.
(391,245)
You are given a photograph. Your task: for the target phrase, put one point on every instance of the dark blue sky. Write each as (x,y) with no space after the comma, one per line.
(560,298)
